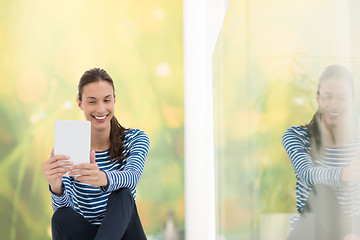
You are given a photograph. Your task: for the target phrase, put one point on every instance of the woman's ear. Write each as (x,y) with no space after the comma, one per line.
(79,103)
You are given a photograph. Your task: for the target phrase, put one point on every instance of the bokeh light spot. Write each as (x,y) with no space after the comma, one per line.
(34,118)
(68,105)
(299,101)
(158,14)
(163,70)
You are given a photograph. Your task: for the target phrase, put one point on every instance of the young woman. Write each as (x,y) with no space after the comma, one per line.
(324,153)
(99,204)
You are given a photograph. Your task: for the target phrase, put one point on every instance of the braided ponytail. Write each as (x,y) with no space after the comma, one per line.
(117,135)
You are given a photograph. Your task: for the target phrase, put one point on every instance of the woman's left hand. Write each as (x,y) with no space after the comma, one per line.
(89,173)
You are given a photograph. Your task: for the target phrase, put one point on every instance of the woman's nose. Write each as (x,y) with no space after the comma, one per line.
(334,105)
(100,108)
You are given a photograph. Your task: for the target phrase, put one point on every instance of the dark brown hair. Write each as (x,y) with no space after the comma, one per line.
(313,127)
(117,132)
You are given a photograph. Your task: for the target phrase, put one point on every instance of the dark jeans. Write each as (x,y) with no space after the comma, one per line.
(121,221)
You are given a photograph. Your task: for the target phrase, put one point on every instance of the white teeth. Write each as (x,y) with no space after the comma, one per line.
(100,118)
(334,113)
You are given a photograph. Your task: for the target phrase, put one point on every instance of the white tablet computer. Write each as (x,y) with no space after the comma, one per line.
(72,138)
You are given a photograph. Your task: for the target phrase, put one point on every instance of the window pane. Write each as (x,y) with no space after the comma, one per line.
(266,67)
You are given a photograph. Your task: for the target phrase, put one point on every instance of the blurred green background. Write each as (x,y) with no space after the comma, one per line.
(45,46)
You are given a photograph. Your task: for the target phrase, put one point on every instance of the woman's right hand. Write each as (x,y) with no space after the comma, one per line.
(54,169)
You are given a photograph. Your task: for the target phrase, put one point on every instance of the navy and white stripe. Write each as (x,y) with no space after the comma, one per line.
(324,170)
(90,201)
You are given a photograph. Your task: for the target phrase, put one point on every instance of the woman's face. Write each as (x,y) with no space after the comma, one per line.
(335,100)
(98,104)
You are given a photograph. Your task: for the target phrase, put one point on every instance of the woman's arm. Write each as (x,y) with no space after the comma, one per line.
(54,169)
(64,200)
(294,143)
(138,146)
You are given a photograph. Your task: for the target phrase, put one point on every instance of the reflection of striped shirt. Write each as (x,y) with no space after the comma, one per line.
(325,170)
(90,201)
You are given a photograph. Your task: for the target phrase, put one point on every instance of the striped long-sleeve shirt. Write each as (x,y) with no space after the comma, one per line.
(324,170)
(90,201)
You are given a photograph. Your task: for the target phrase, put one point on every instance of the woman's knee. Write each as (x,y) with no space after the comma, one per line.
(62,215)
(68,224)
(121,195)
(122,192)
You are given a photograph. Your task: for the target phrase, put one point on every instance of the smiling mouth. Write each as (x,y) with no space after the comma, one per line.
(100,117)
(334,113)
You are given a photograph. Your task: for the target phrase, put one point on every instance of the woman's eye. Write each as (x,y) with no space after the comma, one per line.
(91,102)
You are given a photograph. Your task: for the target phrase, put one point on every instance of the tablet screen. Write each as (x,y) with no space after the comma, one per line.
(72,139)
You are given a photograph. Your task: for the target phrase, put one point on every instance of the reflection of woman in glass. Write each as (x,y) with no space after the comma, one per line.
(99,204)
(323,151)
